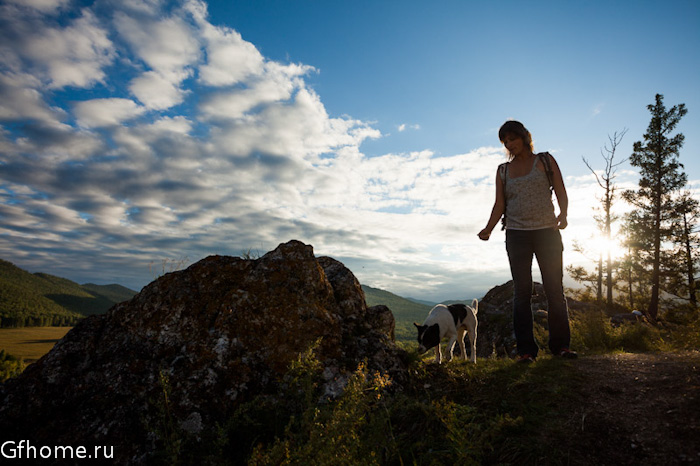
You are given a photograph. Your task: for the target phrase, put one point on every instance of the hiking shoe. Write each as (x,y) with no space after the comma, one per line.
(525,359)
(566,353)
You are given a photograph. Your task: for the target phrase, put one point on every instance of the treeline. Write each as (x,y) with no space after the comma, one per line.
(29,300)
(50,320)
(659,235)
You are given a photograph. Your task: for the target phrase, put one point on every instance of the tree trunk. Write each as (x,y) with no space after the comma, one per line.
(609,283)
(600,280)
(653,310)
(689,261)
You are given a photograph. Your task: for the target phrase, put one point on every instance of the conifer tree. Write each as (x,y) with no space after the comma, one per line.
(661,176)
(688,245)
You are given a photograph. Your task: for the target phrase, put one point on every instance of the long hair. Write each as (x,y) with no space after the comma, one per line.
(517,128)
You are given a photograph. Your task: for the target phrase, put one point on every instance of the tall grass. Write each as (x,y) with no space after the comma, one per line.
(455,413)
(593,333)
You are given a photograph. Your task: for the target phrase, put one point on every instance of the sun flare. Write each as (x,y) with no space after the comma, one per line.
(602,245)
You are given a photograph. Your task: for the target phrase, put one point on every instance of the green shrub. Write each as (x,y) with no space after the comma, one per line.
(686,337)
(10,366)
(592,332)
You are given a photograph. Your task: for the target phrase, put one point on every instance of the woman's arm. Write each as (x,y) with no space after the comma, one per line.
(498,210)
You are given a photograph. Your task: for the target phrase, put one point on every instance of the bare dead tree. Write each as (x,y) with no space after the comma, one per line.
(605,181)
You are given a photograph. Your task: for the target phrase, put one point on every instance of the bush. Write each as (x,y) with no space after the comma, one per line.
(686,337)
(592,332)
(10,366)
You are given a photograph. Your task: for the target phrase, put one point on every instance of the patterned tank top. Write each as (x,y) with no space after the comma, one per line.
(529,201)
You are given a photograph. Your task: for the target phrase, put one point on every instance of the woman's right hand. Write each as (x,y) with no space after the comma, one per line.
(485,234)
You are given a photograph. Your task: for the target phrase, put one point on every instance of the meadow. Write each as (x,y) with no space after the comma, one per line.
(30,343)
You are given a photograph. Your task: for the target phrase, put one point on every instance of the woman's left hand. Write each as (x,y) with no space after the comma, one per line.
(561,221)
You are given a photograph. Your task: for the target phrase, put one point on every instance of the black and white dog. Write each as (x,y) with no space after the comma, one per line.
(450,322)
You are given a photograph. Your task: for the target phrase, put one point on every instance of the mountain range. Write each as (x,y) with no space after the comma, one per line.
(39,299)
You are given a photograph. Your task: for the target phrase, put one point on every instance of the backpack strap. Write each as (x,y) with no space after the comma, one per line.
(545,156)
(503,173)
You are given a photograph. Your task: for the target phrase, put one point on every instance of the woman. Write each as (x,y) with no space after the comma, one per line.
(523,195)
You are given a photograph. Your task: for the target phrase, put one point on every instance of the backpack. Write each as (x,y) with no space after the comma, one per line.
(503,173)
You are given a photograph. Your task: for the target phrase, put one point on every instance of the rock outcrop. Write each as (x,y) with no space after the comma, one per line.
(210,337)
(495,331)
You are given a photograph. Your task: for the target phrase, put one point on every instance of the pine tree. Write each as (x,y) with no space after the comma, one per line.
(661,176)
(688,245)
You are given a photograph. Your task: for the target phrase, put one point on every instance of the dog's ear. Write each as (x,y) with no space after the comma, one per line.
(417,326)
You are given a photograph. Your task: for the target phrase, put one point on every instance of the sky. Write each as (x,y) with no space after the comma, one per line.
(140,136)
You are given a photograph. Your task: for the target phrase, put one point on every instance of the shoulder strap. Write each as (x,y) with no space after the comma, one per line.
(544,156)
(503,173)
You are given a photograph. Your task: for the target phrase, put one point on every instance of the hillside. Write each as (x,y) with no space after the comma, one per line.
(405,311)
(41,299)
(402,308)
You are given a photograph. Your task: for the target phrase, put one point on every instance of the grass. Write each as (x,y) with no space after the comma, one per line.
(30,343)
(494,412)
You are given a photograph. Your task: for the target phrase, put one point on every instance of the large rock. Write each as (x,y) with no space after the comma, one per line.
(209,338)
(495,331)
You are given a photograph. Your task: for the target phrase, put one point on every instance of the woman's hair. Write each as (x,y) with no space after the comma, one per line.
(517,128)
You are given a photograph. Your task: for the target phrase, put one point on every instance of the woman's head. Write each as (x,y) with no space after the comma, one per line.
(512,128)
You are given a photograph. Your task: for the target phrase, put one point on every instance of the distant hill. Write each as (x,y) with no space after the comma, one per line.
(422,301)
(41,299)
(405,311)
(114,293)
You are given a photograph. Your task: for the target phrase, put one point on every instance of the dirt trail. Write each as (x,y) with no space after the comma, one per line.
(641,409)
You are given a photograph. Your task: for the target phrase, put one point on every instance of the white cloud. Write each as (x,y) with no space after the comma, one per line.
(20,99)
(45,6)
(106,112)
(72,56)
(298,128)
(166,45)
(403,127)
(169,48)
(156,92)
(230,59)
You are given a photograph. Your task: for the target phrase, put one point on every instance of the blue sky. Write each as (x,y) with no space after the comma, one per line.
(140,131)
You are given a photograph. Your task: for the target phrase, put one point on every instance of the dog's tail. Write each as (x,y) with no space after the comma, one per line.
(475,305)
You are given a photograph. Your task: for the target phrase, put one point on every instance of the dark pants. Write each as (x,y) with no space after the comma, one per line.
(547,247)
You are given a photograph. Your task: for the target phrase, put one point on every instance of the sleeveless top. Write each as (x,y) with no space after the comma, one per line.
(529,201)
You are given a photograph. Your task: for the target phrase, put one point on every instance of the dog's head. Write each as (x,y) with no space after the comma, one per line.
(428,336)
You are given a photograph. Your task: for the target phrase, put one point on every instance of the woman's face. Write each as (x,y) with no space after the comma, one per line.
(514,144)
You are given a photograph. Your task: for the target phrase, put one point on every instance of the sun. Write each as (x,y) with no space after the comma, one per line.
(602,245)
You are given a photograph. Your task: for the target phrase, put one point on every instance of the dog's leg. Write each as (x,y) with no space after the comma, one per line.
(461,333)
(472,340)
(450,348)
(438,354)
